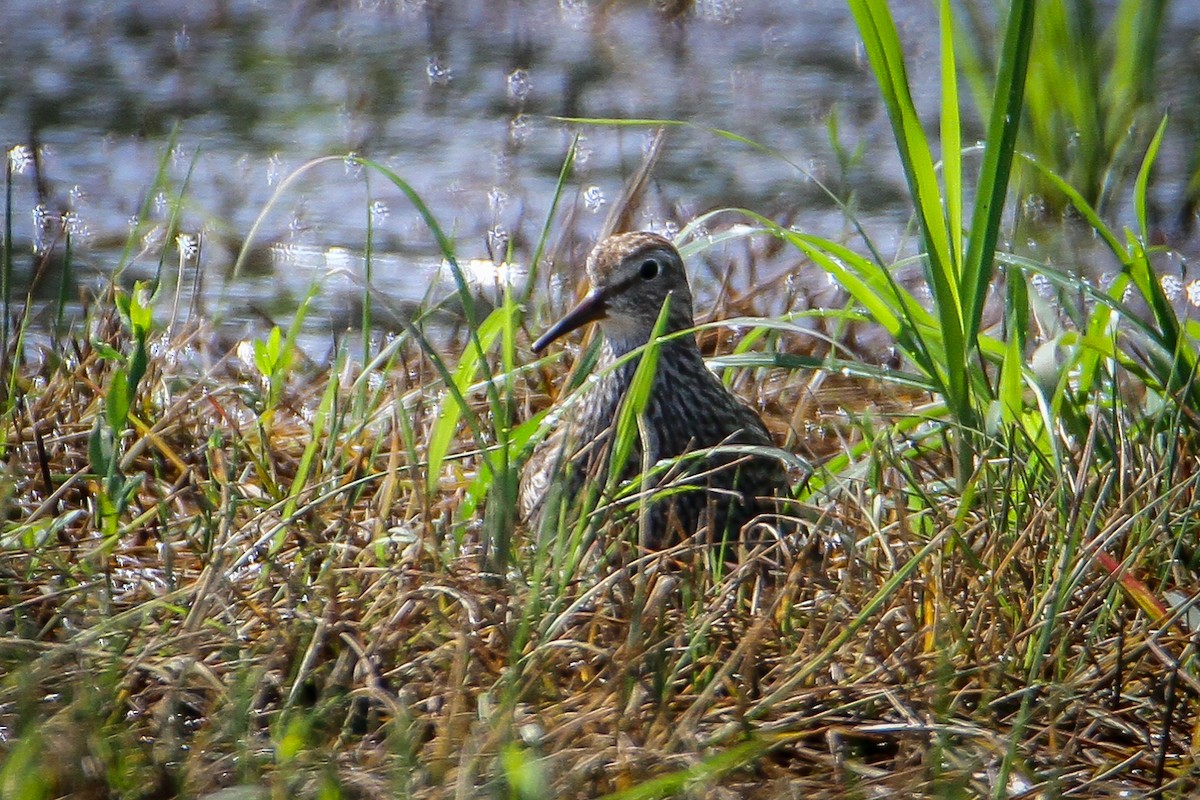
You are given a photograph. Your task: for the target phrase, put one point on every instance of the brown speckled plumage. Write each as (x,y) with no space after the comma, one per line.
(689,409)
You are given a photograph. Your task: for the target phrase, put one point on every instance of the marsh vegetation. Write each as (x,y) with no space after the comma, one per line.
(241,565)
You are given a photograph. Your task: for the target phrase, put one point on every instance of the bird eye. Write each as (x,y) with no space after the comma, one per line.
(649,269)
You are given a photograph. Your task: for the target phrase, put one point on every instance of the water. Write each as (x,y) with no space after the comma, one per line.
(460,100)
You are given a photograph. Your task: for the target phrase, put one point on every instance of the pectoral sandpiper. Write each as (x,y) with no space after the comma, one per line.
(688,409)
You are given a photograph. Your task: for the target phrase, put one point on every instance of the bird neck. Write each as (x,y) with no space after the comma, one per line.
(679,351)
(622,336)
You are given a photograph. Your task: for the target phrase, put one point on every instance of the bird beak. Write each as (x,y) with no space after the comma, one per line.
(589,309)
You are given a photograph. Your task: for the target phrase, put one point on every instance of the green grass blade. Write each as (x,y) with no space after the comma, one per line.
(997,162)
(560,185)
(139,229)
(1169,333)
(1142,183)
(451,408)
(636,398)
(316,441)
(1080,204)
(6,262)
(951,129)
(884,51)
(1012,369)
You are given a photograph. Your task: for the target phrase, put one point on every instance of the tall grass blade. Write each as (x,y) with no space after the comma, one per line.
(564,174)
(64,287)
(951,131)
(500,483)
(139,229)
(451,409)
(1174,341)
(884,51)
(636,398)
(366,322)
(997,162)
(958,281)
(6,265)
(317,440)
(466,298)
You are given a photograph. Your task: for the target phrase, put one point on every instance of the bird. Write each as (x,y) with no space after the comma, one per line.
(631,277)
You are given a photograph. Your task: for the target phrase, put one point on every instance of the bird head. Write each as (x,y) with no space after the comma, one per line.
(631,276)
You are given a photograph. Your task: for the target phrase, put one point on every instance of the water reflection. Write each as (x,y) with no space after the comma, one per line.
(457,98)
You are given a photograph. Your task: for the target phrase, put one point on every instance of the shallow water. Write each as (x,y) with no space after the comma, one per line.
(458,99)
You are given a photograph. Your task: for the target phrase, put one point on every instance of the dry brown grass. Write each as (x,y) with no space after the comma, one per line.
(911,641)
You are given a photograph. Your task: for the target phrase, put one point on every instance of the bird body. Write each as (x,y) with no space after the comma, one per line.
(688,409)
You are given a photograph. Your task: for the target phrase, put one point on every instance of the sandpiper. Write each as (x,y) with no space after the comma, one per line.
(632,275)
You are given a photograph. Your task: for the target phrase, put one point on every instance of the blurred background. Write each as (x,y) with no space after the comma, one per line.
(461,99)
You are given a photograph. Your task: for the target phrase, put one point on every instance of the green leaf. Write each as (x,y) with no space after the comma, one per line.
(117,400)
(100,449)
(453,406)
(139,311)
(637,396)
(1012,368)
(108,352)
(138,361)
(266,352)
